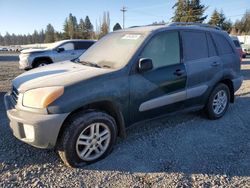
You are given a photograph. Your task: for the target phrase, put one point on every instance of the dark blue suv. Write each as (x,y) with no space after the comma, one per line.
(127,76)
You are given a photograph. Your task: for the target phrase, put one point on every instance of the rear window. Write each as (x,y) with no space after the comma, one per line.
(83,45)
(195,45)
(222,44)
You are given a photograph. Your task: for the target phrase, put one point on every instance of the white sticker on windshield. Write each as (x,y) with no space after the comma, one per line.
(131,37)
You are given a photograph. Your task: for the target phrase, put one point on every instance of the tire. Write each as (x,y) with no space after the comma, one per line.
(73,149)
(41,63)
(216,110)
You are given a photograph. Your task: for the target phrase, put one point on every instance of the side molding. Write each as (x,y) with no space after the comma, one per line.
(173,98)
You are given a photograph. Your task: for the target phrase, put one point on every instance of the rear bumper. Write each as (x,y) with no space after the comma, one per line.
(38,130)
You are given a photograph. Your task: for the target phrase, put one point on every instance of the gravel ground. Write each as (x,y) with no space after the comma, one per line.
(188,151)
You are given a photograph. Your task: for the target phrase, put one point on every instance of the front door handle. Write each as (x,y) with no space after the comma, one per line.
(179,72)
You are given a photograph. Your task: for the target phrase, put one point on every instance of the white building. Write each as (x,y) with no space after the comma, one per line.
(245,39)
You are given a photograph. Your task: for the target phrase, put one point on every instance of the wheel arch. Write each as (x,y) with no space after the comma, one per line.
(229,84)
(44,58)
(104,106)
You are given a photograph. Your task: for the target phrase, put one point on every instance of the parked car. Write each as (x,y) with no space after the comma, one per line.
(245,49)
(56,52)
(238,46)
(4,49)
(128,76)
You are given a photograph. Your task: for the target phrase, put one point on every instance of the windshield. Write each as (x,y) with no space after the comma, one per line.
(114,50)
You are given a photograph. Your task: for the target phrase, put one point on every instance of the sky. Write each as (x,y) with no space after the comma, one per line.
(25,16)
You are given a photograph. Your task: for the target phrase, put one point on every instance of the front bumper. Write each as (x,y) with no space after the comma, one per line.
(24,62)
(39,130)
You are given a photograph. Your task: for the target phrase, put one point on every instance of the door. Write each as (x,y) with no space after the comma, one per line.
(161,89)
(66,52)
(203,65)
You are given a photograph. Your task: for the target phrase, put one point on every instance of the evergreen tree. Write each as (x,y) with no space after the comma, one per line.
(58,36)
(116,27)
(1,40)
(215,18)
(219,19)
(197,11)
(35,37)
(49,34)
(105,25)
(82,29)
(180,8)
(189,11)
(72,26)
(29,39)
(41,36)
(89,28)
(7,39)
(66,29)
(246,22)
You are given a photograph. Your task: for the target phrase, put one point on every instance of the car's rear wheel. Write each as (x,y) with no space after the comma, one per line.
(218,102)
(87,138)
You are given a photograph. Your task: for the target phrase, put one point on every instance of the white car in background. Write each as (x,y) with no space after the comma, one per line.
(245,49)
(56,52)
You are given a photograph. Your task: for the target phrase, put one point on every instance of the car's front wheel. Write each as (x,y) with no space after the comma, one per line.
(218,102)
(87,138)
(41,63)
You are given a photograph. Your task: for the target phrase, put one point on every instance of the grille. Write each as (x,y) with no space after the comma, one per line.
(14,94)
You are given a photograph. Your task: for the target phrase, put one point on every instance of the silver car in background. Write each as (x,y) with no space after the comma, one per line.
(56,52)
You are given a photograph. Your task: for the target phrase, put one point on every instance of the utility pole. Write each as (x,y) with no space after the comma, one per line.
(124,9)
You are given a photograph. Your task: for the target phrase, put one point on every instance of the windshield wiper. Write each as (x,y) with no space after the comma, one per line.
(89,64)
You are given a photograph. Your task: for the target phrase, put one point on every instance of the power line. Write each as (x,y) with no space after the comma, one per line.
(124,9)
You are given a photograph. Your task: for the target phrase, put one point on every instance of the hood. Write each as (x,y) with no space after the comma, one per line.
(26,51)
(57,74)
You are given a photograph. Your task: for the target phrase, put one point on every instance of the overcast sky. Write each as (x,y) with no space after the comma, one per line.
(24,16)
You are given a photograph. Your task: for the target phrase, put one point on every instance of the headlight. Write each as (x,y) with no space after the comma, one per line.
(41,97)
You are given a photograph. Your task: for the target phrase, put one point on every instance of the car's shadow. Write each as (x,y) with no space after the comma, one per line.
(184,143)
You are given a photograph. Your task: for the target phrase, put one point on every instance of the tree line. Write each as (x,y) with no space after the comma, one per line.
(194,11)
(185,11)
(72,29)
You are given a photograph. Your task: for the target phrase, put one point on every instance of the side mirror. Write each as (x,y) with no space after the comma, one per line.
(77,60)
(145,64)
(60,50)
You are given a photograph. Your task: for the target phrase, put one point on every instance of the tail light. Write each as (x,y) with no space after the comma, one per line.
(241,54)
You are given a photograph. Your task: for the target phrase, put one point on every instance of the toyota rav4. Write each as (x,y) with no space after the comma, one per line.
(81,107)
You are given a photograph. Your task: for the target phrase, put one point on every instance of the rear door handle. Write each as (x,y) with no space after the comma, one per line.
(179,72)
(215,64)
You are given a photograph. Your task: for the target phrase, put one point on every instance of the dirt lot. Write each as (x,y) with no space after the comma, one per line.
(181,151)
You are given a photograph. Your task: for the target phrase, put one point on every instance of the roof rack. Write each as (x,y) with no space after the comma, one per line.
(193,24)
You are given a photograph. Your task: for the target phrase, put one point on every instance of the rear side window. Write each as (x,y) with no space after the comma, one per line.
(222,44)
(163,49)
(211,46)
(195,45)
(236,43)
(83,45)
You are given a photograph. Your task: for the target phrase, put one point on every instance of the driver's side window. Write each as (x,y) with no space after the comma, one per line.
(67,46)
(163,49)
